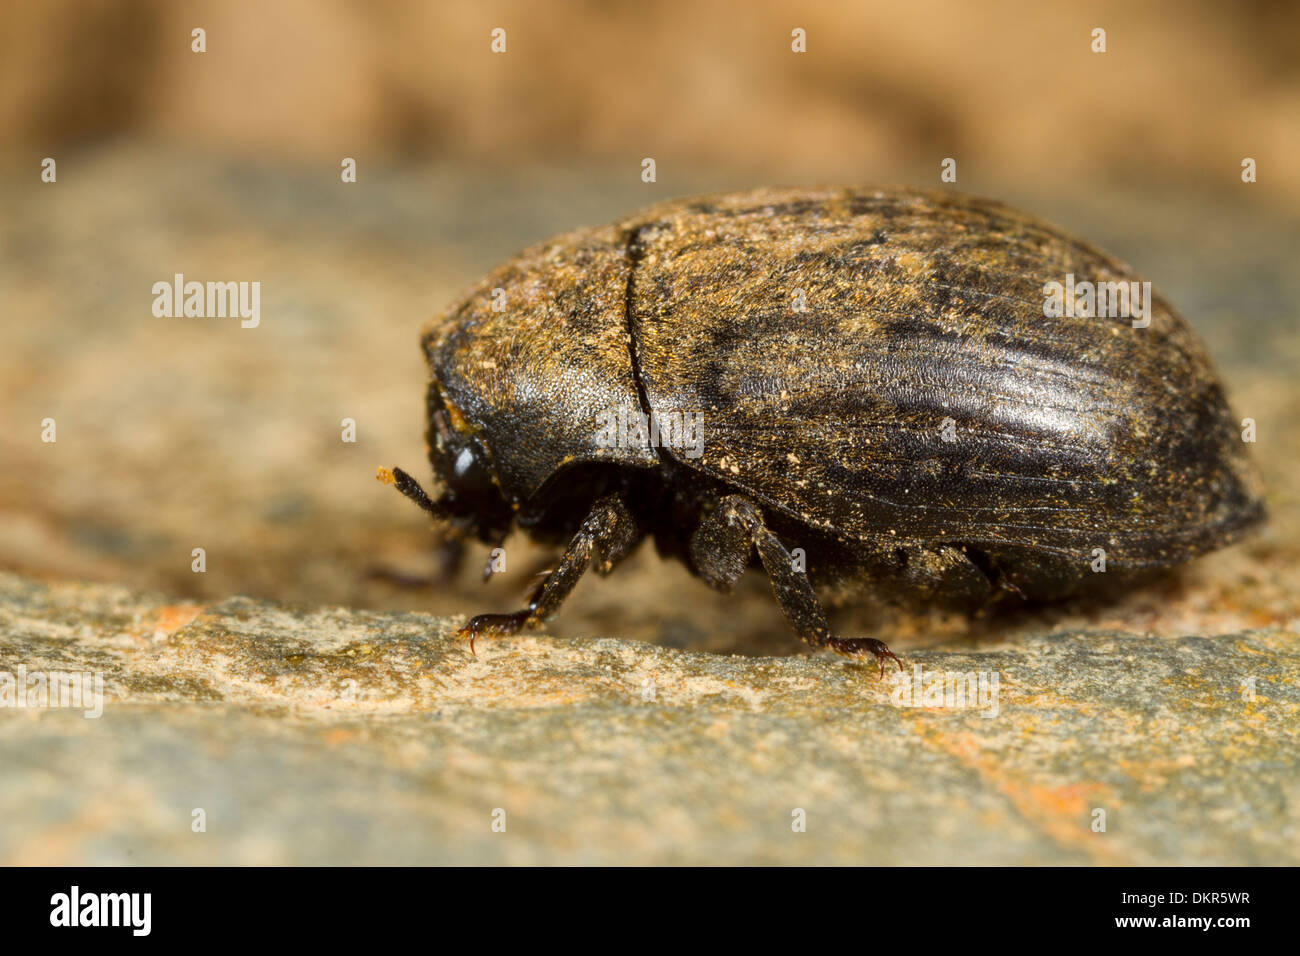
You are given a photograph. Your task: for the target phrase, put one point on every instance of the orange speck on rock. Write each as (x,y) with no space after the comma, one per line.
(172,617)
(1070,800)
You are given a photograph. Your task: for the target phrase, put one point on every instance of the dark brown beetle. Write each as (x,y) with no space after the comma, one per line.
(877,383)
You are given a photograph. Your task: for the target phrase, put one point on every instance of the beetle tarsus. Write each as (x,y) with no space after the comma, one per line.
(496,623)
(861,647)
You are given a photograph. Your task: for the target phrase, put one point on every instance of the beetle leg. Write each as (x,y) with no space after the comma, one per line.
(496,624)
(737,524)
(607,535)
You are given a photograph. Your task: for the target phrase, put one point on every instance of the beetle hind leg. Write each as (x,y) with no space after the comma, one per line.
(607,535)
(720,550)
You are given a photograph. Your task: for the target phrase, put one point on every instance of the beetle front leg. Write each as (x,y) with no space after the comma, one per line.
(607,535)
(720,549)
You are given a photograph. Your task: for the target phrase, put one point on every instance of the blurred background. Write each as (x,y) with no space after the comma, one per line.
(1011,89)
(175,434)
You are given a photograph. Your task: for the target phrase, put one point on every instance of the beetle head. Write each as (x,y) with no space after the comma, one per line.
(472,499)
(522,368)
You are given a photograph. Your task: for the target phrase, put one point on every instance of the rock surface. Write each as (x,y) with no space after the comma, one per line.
(323,735)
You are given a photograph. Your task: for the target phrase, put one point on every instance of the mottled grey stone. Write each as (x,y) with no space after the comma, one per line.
(322,735)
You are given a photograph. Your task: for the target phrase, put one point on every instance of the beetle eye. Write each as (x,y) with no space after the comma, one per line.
(464,461)
(470,477)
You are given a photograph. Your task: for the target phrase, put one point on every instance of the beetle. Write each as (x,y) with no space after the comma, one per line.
(883,394)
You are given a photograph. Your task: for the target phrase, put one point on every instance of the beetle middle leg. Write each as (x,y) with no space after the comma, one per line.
(607,535)
(720,550)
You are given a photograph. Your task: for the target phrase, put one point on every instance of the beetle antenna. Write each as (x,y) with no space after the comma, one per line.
(411,488)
